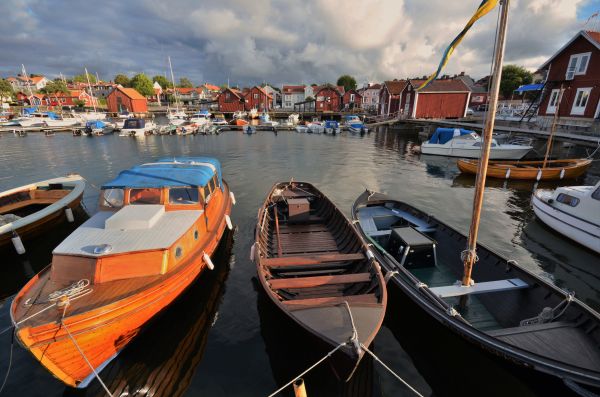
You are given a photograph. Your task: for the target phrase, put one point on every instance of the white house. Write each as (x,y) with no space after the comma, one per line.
(370,96)
(293,94)
(21,83)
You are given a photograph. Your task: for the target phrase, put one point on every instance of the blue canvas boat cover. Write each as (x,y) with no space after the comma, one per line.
(443,135)
(30,110)
(529,87)
(168,172)
(331,124)
(52,115)
(95,124)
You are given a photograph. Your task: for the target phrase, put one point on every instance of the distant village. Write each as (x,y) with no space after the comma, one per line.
(575,67)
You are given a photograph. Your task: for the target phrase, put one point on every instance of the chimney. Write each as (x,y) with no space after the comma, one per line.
(462,73)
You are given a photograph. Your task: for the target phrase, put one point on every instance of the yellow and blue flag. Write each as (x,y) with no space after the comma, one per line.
(485,7)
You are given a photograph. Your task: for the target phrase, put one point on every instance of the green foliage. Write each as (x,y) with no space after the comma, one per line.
(79,103)
(309,98)
(54,87)
(142,84)
(80,78)
(184,82)
(122,79)
(6,89)
(347,81)
(162,80)
(512,77)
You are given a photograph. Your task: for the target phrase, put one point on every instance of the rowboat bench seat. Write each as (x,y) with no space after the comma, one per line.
(311,259)
(448,291)
(310,282)
(332,301)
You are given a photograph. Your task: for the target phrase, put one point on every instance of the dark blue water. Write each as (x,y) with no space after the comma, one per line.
(222,338)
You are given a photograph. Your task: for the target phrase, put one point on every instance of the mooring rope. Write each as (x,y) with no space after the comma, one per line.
(390,370)
(307,370)
(10,359)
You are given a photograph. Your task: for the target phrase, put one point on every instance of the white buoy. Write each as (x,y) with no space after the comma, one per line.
(252,252)
(208,262)
(562,173)
(539,175)
(232,197)
(69,213)
(17,243)
(228,221)
(507,173)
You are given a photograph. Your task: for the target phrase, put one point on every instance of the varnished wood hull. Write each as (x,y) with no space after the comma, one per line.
(101,333)
(529,170)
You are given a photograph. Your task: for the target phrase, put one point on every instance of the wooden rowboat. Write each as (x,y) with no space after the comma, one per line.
(157,227)
(36,208)
(315,268)
(532,170)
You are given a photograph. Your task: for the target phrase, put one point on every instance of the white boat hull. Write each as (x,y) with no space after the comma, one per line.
(474,152)
(62,123)
(577,229)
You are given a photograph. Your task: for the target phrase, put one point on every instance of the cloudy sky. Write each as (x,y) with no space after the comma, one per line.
(310,41)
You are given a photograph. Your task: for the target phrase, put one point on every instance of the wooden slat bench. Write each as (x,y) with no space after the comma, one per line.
(329,301)
(311,259)
(309,282)
(479,288)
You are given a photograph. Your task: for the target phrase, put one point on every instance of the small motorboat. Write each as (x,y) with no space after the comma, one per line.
(292,120)
(176,117)
(315,126)
(239,114)
(354,124)
(95,127)
(573,211)
(219,119)
(529,170)
(93,115)
(253,113)
(318,271)
(239,122)
(157,227)
(36,208)
(456,142)
(331,127)
(137,127)
(301,128)
(201,117)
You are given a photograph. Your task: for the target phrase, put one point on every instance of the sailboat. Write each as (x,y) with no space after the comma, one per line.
(95,115)
(502,310)
(533,170)
(178,116)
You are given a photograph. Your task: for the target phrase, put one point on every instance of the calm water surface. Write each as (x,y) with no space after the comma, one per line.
(222,338)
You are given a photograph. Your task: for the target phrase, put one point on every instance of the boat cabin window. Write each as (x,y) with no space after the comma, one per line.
(596,194)
(113,198)
(183,195)
(567,199)
(144,196)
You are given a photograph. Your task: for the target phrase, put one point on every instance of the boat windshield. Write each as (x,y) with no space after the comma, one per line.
(596,194)
(144,196)
(113,198)
(183,195)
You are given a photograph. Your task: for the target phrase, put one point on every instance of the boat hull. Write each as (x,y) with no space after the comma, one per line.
(101,333)
(555,170)
(579,230)
(473,152)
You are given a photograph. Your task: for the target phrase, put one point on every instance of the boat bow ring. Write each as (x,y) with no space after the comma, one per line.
(102,249)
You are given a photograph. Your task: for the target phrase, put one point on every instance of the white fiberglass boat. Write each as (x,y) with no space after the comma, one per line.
(91,116)
(176,117)
(137,127)
(573,211)
(202,117)
(455,142)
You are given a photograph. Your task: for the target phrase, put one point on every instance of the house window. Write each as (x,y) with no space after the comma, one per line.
(581,99)
(351,97)
(255,96)
(578,64)
(227,96)
(553,102)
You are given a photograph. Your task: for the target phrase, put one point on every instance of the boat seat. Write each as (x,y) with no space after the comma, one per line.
(296,304)
(311,259)
(448,291)
(380,233)
(309,282)
(313,272)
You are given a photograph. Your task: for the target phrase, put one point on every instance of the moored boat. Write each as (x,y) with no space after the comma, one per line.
(34,209)
(155,232)
(331,127)
(573,211)
(530,170)
(319,272)
(137,127)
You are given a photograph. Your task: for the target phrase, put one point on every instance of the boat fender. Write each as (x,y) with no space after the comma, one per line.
(451,312)
(252,252)
(17,243)
(370,254)
(562,173)
(228,221)
(507,173)
(232,197)
(69,213)
(208,262)
(539,175)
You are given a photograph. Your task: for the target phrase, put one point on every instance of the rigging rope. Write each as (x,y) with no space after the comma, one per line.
(10,359)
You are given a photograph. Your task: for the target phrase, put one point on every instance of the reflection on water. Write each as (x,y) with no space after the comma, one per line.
(245,351)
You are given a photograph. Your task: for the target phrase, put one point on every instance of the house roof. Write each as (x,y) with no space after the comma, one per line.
(442,85)
(373,87)
(37,79)
(320,88)
(235,92)
(131,93)
(592,37)
(260,89)
(212,87)
(288,89)
(395,87)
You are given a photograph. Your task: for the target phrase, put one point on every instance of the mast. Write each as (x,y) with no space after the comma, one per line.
(553,128)
(469,256)
(173,81)
(87,76)
(24,72)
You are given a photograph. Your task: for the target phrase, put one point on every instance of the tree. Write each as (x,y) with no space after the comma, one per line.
(81,78)
(79,103)
(55,86)
(6,89)
(162,80)
(122,79)
(512,77)
(184,82)
(142,84)
(347,81)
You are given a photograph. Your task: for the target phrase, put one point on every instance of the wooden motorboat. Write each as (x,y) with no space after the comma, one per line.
(157,227)
(518,317)
(317,270)
(239,122)
(35,208)
(530,170)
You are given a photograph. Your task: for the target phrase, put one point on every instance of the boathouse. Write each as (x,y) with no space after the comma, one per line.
(126,99)
(352,99)
(575,67)
(389,97)
(328,99)
(230,100)
(257,98)
(445,98)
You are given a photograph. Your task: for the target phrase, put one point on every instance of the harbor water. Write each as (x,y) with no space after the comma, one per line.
(223,337)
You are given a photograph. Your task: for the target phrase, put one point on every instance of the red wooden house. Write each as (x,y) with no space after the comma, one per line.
(328,99)
(442,99)
(126,99)
(69,98)
(389,97)
(230,100)
(257,98)
(352,99)
(575,67)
